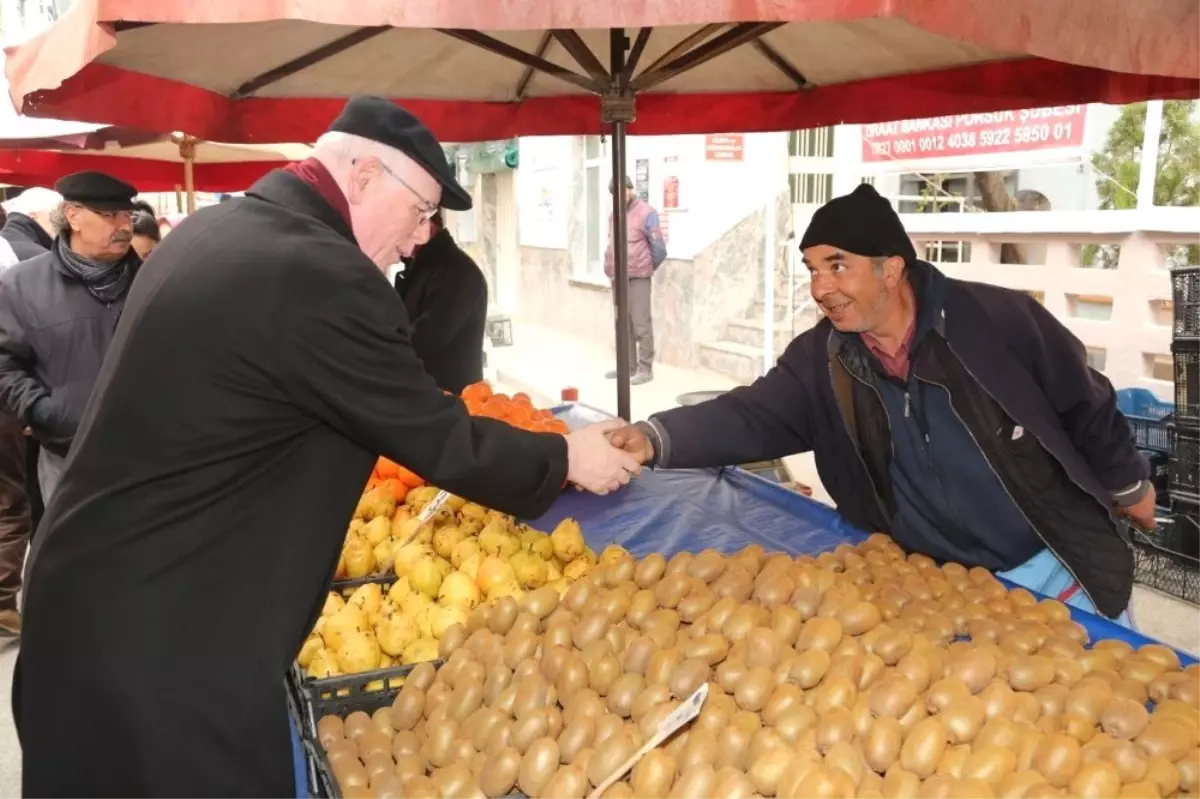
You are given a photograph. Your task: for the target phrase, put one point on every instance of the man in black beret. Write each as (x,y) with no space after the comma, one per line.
(262,365)
(962,418)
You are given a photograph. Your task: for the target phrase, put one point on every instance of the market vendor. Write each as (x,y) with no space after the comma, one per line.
(960,417)
(260,367)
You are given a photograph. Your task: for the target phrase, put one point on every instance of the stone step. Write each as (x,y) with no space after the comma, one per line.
(803,307)
(751,331)
(741,362)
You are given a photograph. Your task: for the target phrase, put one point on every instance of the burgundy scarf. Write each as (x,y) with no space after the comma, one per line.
(314,173)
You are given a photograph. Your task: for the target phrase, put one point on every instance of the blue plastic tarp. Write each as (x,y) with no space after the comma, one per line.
(726,509)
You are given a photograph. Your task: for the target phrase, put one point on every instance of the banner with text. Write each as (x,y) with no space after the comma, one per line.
(1047,133)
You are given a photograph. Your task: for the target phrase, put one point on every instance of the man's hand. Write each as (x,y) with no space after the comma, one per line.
(1142,511)
(595,464)
(633,441)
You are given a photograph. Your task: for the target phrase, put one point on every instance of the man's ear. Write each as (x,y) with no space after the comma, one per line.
(893,271)
(361,173)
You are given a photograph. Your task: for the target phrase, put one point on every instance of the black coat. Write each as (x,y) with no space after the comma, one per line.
(261,365)
(1005,361)
(53,338)
(446,298)
(26,237)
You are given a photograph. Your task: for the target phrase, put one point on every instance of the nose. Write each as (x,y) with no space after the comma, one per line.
(821,287)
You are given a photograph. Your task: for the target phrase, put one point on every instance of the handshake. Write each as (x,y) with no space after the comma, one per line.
(604,456)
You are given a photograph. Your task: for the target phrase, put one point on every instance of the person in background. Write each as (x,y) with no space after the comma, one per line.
(28,228)
(58,312)
(261,366)
(15,521)
(647,252)
(446,297)
(146,234)
(959,417)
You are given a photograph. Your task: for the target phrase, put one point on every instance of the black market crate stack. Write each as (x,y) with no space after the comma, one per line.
(1169,558)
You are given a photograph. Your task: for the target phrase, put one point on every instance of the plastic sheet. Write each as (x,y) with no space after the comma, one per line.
(725,509)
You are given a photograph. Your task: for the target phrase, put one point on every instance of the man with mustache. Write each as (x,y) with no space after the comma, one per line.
(58,312)
(961,418)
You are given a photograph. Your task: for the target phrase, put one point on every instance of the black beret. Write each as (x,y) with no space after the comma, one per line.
(861,222)
(96,190)
(385,122)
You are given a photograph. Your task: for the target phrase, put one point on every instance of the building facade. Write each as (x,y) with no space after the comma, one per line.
(540,231)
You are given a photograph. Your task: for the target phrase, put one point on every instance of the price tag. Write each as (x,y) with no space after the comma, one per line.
(679,716)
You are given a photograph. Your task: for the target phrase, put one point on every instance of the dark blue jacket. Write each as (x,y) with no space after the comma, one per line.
(1005,362)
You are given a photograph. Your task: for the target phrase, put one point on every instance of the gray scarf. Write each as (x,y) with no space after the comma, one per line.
(107,281)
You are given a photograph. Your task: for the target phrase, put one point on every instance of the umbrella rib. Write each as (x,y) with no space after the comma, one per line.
(782,64)
(527,73)
(505,50)
(729,40)
(635,55)
(682,46)
(309,59)
(574,44)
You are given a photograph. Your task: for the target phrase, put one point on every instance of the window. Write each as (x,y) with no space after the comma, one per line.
(598,203)
(810,189)
(1097,357)
(1159,367)
(948,252)
(812,143)
(1099,256)
(1087,306)
(935,194)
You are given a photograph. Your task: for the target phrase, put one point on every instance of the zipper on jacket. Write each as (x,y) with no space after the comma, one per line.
(858,451)
(996,474)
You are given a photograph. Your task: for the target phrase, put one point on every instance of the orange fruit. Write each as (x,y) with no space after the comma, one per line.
(477,391)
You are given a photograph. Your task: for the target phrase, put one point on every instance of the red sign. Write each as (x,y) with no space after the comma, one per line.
(724,147)
(670,191)
(974,134)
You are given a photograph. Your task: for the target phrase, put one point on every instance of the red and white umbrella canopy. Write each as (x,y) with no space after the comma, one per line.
(271,70)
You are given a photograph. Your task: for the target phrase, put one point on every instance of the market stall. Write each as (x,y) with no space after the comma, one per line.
(678,522)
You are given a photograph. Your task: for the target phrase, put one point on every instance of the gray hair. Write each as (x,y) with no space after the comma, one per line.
(58,219)
(338,151)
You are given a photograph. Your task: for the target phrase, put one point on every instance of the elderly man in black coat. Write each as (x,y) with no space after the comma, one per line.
(261,366)
(446,297)
(961,418)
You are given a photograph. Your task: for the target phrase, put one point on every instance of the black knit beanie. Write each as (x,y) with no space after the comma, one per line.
(861,222)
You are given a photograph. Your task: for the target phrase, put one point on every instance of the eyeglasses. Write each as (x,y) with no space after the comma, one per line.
(111,216)
(426,209)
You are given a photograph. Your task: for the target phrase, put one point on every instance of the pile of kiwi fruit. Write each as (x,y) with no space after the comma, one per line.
(862,672)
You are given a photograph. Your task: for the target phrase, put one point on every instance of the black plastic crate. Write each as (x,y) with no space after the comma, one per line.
(1187,382)
(1185,290)
(1160,468)
(343,586)
(341,696)
(312,776)
(1184,478)
(1149,434)
(1158,561)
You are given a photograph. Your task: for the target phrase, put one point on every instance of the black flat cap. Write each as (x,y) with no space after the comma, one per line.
(379,120)
(861,222)
(96,190)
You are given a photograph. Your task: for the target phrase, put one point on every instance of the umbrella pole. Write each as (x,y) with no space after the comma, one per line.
(617,109)
(187,151)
